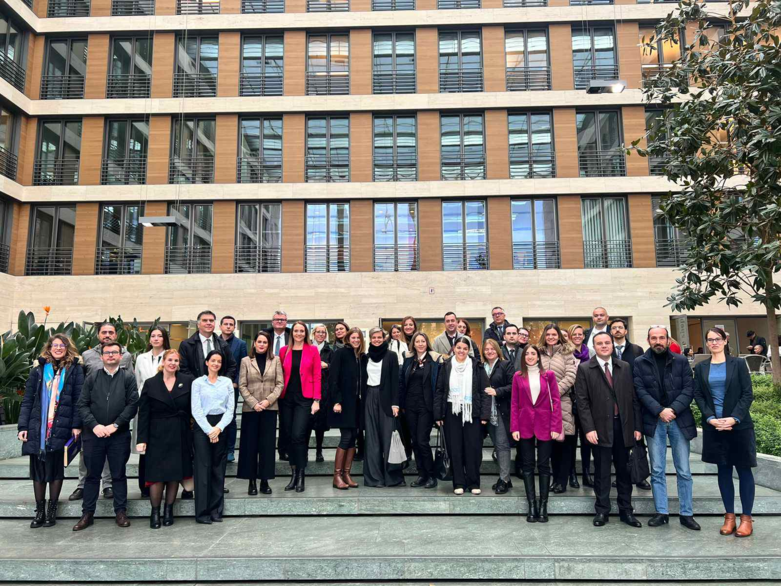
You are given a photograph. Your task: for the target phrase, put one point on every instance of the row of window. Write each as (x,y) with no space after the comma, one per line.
(258,241)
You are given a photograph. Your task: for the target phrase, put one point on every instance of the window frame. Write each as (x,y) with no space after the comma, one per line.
(259,248)
(394,65)
(464,244)
(328,118)
(462,145)
(328,244)
(528,114)
(603,221)
(396,252)
(394,117)
(264,37)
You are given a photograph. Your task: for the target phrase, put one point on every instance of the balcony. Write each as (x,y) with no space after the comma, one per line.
(457,4)
(327,5)
(118,260)
(251,259)
(259,169)
(327,84)
(191,170)
(327,169)
(465,257)
(195,85)
(393,82)
(396,167)
(463,167)
(197,6)
(656,165)
(671,252)
(130,85)
(260,84)
(460,80)
(586,74)
(524,165)
(524,3)
(590,2)
(11,71)
(536,255)
(326,259)
(132,7)
(651,72)
(382,5)
(262,6)
(528,79)
(56,171)
(8,164)
(607,254)
(123,171)
(5,257)
(63,8)
(48,261)
(183,260)
(62,87)
(608,163)
(395,258)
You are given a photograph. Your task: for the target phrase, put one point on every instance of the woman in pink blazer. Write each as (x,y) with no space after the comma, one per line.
(535,416)
(300,400)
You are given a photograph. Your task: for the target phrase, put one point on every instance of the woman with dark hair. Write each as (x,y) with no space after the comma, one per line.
(396,344)
(723,391)
(48,418)
(464,329)
(340,335)
(300,399)
(500,379)
(320,424)
(347,385)
(260,384)
(409,327)
(577,337)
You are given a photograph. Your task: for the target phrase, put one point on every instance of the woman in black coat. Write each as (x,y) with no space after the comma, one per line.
(723,392)
(500,391)
(347,382)
(48,419)
(164,435)
(320,420)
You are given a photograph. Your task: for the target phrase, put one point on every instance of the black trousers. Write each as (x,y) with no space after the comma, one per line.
(210,462)
(465,447)
(585,448)
(347,438)
(603,458)
(405,432)
(421,421)
(562,459)
(543,453)
(97,450)
(296,421)
(256,448)
(284,434)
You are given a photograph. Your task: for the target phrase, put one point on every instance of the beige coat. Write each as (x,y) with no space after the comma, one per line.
(560,360)
(255,387)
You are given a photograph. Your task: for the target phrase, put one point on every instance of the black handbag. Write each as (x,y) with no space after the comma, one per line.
(639,469)
(442,466)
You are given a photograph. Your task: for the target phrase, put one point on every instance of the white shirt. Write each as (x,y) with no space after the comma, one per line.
(590,343)
(108,372)
(534,383)
(609,363)
(281,338)
(374,370)
(204,346)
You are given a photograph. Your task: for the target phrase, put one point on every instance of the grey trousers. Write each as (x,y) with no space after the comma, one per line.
(105,477)
(379,430)
(500,437)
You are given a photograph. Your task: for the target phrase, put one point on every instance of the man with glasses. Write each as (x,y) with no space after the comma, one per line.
(107,405)
(600,319)
(280,337)
(665,389)
(498,327)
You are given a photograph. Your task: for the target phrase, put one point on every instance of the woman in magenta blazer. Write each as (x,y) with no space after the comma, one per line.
(300,399)
(535,416)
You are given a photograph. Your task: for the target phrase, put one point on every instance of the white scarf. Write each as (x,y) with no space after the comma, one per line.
(460,394)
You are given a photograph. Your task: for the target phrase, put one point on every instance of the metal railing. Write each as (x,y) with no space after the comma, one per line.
(608,163)
(128,85)
(259,169)
(656,165)
(327,5)
(671,252)
(588,2)
(8,163)
(463,167)
(525,165)
(28,3)
(393,82)
(130,171)
(56,171)
(456,4)
(586,74)
(607,254)
(381,5)
(197,6)
(62,8)
(262,6)
(327,84)
(12,72)
(48,261)
(524,3)
(536,255)
(195,85)
(396,167)
(651,72)
(395,258)
(182,260)
(327,169)
(465,257)
(526,79)
(191,170)
(461,80)
(5,257)
(132,7)
(118,260)
(62,87)
(326,259)
(251,259)
(260,84)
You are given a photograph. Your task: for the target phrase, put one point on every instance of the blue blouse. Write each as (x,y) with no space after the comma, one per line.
(717,379)
(212,399)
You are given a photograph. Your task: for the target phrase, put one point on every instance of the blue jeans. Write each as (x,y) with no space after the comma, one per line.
(657,453)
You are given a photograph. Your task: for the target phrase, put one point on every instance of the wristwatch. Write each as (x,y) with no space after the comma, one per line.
(116,425)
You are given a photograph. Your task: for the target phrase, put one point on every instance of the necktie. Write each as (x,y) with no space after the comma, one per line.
(610,382)
(620,351)
(209,346)
(276,346)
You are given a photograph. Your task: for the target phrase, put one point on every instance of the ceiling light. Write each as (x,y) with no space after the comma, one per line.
(156,221)
(606,86)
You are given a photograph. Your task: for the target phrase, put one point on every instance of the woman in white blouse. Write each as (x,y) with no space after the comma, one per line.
(397,343)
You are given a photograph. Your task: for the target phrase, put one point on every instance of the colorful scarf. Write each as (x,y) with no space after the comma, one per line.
(52,381)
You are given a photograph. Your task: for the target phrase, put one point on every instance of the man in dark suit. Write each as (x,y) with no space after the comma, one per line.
(497,328)
(610,416)
(193,350)
(238,348)
(280,337)
(512,350)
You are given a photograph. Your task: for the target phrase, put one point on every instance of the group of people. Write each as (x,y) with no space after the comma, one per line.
(587,383)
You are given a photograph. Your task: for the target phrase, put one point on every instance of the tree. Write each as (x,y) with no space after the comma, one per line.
(720,141)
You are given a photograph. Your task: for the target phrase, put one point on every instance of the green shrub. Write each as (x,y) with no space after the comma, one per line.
(768,432)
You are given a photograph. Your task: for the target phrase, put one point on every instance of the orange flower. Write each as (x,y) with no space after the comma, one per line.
(47,309)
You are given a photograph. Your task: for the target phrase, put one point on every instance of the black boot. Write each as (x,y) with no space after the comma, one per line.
(573,480)
(544,487)
(51,514)
(253,488)
(587,479)
(168,515)
(264,487)
(40,514)
(154,518)
(528,484)
(301,480)
(292,484)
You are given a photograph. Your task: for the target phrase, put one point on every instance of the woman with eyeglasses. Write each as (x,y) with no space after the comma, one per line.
(499,390)
(723,391)
(320,421)
(577,337)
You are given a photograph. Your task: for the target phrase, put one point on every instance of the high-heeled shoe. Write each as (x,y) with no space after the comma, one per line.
(154,519)
(292,484)
(168,515)
(301,480)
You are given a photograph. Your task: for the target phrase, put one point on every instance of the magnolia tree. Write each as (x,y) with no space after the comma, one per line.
(720,141)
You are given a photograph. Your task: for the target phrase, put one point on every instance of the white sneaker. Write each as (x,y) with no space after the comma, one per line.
(459,491)
(476,491)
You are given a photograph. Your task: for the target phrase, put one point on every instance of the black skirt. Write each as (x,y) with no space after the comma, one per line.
(729,448)
(49,468)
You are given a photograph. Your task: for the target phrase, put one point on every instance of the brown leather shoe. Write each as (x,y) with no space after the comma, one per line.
(348,464)
(339,470)
(746,526)
(122,520)
(729,524)
(87,519)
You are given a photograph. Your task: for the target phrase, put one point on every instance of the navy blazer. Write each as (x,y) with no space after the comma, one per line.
(738,396)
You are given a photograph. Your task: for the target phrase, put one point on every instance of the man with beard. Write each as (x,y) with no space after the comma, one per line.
(600,319)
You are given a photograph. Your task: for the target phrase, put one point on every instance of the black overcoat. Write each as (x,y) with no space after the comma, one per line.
(346,384)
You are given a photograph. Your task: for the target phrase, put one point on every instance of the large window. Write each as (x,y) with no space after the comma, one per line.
(327,149)
(189,244)
(259,238)
(327,238)
(671,244)
(59,153)
(50,251)
(6,214)
(531,145)
(124,162)
(393,4)
(395,148)
(120,241)
(11,42)
(132,7)
(63,8)
(197,6)
(659,56)
(328,64)
(464,236)
(64,69)
(396,236)
(599,144)
(394,63)
(655,124)
(260,151)
(526,54)
(8,158)
(197,59)
(460,62)
(593,54)
(131,68)
(192,151)
(327,5)
(262,66)
(606,242)
(535,239)
(462,147)
(262,6)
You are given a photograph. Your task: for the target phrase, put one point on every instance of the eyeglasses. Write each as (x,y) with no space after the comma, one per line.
(522,335)
(714,340)
(111,353)
(279,319)
(497,314)
(58,347)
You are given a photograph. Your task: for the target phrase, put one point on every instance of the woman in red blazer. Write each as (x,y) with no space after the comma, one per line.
(300,399)
(535,416)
